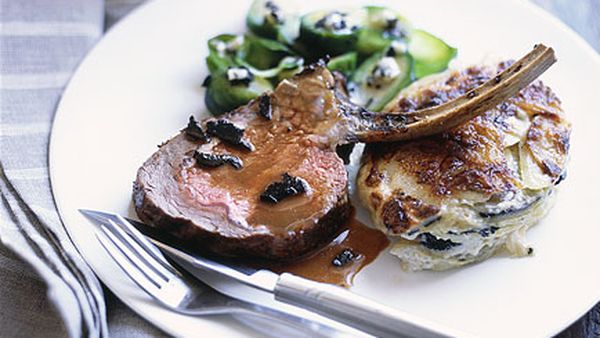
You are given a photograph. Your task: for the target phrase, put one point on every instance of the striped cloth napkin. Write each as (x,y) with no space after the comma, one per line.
(43,279)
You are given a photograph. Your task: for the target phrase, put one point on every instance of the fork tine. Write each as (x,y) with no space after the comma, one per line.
(135,262)
(145,243)
(141,252)
(133,232)
(127,266)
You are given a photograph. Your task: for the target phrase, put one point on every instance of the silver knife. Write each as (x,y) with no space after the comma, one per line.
(330,301)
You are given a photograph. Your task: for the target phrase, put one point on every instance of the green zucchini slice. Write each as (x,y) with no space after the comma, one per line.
(270,19)
(431,54)
(379,79)
(262,53)
(345,63)
(331,32)
(232,88)
(381,26)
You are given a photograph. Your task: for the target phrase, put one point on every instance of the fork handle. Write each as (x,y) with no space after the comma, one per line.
(361,313)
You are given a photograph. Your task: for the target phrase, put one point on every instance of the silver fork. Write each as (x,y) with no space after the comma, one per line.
(148,268)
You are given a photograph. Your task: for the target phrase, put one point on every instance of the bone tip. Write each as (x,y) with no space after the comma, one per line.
(545,52)
(543,48)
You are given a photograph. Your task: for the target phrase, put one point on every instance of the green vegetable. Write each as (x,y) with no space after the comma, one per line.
(244,66)
(381,26)
(330,32)
(345,63)
(430,54)
(264,18)
(385,19)
(379,79)
(222,52)
(371,41)
(223,95)
(287,67)
(290,30)
(225,44)
(267,18)
(217,64)
(262,53)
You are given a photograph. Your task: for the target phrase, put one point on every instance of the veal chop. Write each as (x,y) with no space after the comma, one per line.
(265,181)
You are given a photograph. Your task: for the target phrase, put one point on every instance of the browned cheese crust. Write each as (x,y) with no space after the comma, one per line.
(405,184)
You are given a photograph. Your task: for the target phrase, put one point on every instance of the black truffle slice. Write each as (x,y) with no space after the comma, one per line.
(288,186)
(217,160)
(431,242)
(194,131)
(229,133)
(264,107)
(343,258)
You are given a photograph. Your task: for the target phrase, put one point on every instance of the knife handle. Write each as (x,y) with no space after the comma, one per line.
(339,304)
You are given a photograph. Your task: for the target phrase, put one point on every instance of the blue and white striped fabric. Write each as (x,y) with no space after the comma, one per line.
(41,44)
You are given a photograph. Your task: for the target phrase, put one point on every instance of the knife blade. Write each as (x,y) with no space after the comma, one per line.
(327,300)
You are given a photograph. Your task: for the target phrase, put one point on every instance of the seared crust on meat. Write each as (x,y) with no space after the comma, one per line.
(217,206)
(521,144)
(161,200)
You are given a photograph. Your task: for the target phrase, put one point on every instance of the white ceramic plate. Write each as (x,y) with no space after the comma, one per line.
(143,80)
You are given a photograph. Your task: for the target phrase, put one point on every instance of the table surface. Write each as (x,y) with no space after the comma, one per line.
(584,17)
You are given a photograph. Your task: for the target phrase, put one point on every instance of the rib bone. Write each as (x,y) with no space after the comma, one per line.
(398,126)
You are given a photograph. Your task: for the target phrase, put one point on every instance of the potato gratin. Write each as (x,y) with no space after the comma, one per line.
(461,196)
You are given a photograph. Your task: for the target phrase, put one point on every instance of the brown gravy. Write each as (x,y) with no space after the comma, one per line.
(294,141)
(364,242)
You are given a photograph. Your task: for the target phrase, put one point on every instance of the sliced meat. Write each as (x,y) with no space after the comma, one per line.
(213,206)
(205,186)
